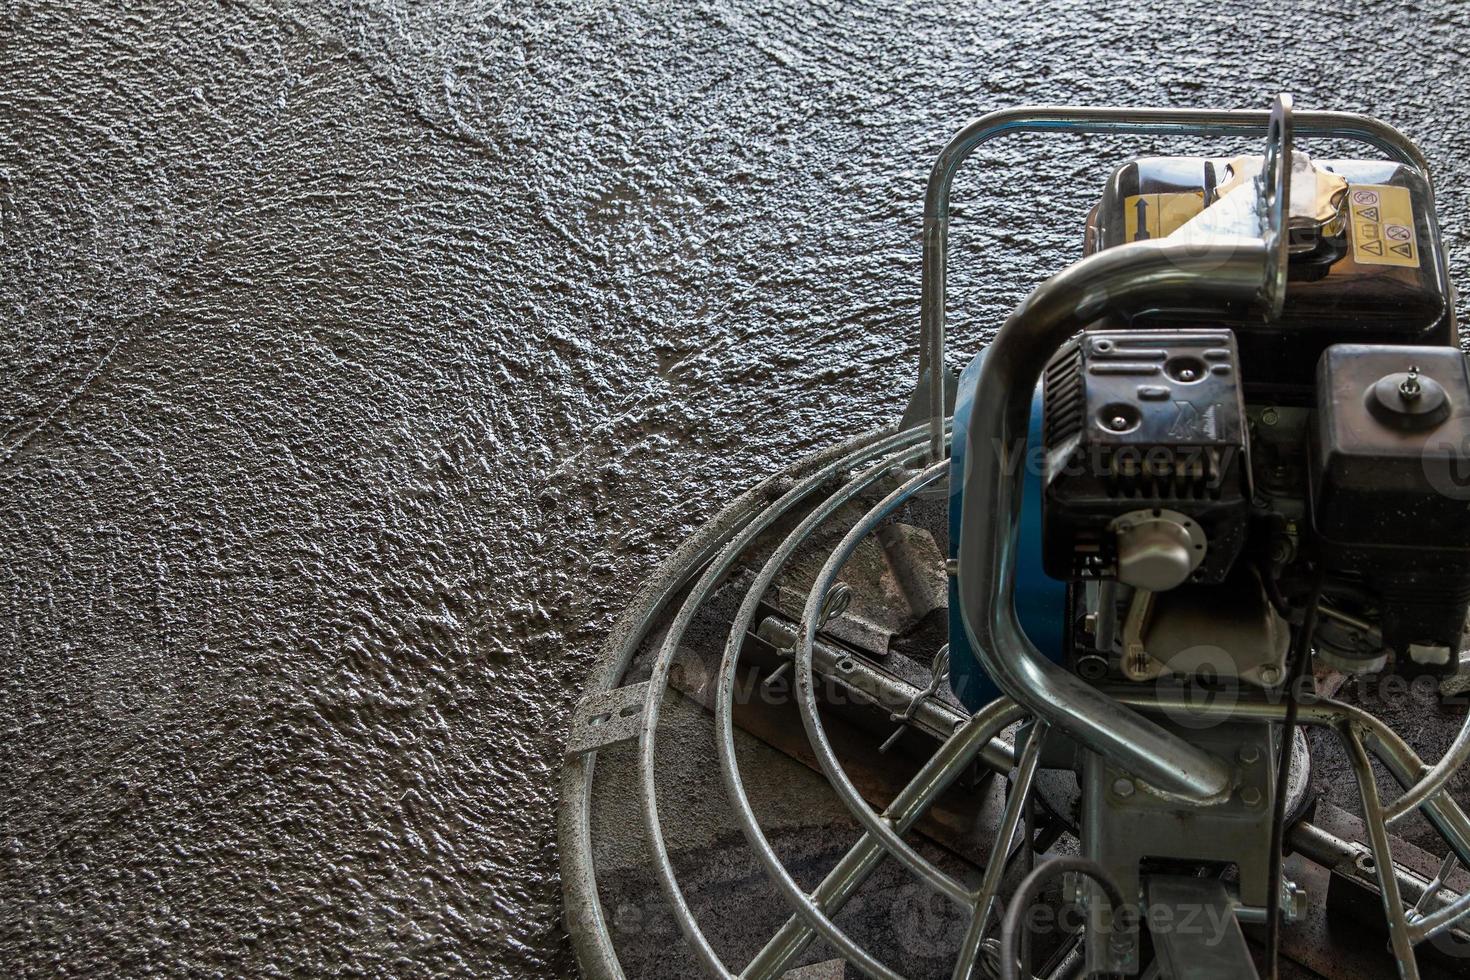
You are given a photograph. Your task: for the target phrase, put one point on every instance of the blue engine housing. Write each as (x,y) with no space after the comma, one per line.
(1041,601)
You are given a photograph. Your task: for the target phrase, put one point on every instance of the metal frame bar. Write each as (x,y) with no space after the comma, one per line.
(1440,921)
(1383,743)
(995,866)
(804,905)
(1388,882)
(1433,780)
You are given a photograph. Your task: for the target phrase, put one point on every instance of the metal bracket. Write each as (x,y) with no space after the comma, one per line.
(606,719)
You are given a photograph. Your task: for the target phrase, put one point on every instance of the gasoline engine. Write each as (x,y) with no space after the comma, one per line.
(1202,465)
(1223,457)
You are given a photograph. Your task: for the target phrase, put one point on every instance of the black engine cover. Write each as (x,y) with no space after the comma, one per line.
(1390,494)
(1141,419)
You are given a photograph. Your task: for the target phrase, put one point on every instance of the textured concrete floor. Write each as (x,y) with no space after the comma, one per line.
(359,357)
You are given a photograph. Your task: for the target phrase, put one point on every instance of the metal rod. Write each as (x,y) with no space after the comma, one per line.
(933,716)
(999,850)
(1440,920)
(943,767)
(1084,120)
(1435,779)
(1388,882)
(1446,868)
(1331,851)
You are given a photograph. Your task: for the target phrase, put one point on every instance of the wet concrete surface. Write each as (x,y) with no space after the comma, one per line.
(359,358)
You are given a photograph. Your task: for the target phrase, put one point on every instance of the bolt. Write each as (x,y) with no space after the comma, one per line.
(1269,417)
(1123,786)
(1294,901)
(1187,374)
(1270,675)
(1249,754)
(1250,796)
(1089,623)
(1118,422)
(1410,389)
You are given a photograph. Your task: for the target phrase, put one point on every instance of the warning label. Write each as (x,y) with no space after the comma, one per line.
(1159,215)
(1383,226)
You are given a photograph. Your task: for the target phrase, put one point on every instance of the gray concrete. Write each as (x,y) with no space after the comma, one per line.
(359,358)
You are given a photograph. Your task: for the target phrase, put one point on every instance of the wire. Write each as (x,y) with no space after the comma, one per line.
(1273,589)
(1301,659)
(1013,926)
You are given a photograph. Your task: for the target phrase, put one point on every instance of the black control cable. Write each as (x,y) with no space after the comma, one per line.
(1301,662)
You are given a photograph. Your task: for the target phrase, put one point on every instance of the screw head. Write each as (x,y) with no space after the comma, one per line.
(1251,796)
(1249,754)
(1118,422)
(1269,417)
(1123,786)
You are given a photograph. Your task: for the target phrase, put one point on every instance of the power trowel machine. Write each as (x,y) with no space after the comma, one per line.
(1102,588)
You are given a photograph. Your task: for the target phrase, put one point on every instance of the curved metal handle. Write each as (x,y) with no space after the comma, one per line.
(1122,280)
(1081,119)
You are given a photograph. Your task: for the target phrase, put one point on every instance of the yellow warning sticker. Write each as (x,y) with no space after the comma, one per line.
(1383,225)
(1148,216)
